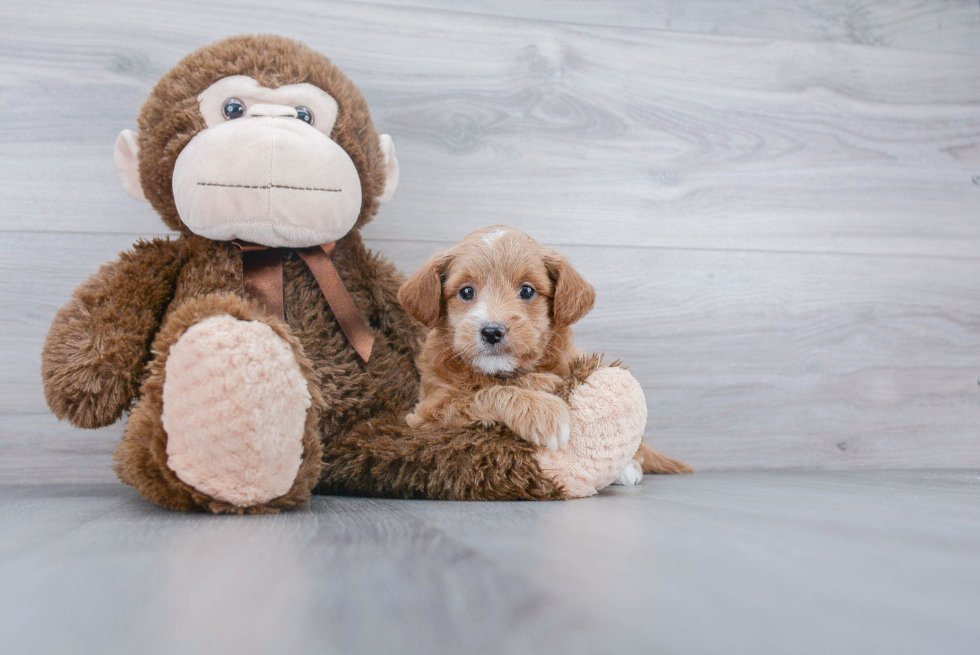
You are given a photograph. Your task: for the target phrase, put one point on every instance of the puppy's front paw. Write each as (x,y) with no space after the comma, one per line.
(548,422)
(414,420)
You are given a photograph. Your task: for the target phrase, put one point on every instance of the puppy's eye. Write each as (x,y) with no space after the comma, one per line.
(467,293)
(233,108)
(305,115)
(527,292)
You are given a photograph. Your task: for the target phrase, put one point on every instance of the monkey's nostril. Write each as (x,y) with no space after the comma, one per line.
(493,333)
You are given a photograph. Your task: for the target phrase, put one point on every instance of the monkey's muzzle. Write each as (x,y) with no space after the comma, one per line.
(270,180)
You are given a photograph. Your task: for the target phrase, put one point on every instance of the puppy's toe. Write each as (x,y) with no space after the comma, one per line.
(632,474)
(561,430)
(550,424)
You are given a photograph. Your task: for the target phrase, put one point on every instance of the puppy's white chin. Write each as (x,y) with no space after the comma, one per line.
(494,364)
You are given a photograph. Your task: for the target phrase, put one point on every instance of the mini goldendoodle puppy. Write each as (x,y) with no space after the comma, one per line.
(501,308)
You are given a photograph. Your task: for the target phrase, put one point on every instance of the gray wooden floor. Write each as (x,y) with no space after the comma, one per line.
(722,562)
(777,200)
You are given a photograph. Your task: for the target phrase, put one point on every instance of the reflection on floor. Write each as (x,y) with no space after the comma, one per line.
(721,562)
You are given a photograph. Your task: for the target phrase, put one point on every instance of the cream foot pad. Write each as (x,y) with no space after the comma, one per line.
(234,409)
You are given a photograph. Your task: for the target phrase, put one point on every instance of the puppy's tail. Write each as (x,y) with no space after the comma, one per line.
(655,461)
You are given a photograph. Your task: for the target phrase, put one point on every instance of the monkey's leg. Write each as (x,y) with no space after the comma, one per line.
(609,416)
(385,457)
(227,421)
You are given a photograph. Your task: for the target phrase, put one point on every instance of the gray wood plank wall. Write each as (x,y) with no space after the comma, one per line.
(777,201)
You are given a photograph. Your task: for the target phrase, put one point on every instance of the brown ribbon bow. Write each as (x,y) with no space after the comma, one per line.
(262,279)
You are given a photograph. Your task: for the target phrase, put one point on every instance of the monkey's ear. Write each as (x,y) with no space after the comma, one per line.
(128,163)
(391,168)
(421,296)
(574,297)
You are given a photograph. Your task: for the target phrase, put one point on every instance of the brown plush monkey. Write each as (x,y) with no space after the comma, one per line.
(263,352)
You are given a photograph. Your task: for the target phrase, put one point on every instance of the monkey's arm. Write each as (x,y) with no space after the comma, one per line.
(98,344)
(385,457)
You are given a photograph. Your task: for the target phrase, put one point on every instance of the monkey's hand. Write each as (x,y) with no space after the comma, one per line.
(99,342)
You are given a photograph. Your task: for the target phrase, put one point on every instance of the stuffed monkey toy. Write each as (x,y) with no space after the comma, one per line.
(263,353)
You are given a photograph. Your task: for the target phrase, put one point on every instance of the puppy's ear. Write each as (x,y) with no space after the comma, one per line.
(573,297)
(421,295)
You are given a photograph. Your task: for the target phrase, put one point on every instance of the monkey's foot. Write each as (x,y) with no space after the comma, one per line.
(609,414)
(234,407)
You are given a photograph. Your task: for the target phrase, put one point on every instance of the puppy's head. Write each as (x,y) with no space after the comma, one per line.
(499,297)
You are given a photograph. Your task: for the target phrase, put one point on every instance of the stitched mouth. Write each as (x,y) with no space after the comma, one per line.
(269,186)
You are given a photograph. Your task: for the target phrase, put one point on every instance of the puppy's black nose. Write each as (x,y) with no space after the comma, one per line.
(493,333)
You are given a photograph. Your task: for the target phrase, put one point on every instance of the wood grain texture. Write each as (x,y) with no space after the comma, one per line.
(37,448)
(599,135)
(783,232)
(749,359)
(940,25)
(724,562)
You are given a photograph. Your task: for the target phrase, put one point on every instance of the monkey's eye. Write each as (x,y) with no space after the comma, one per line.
(527,292)
(233,108)
(305,115)
(467,293)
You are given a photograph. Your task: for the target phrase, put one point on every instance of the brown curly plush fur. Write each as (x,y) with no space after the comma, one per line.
(469,464)
(107,348)
(97,348)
